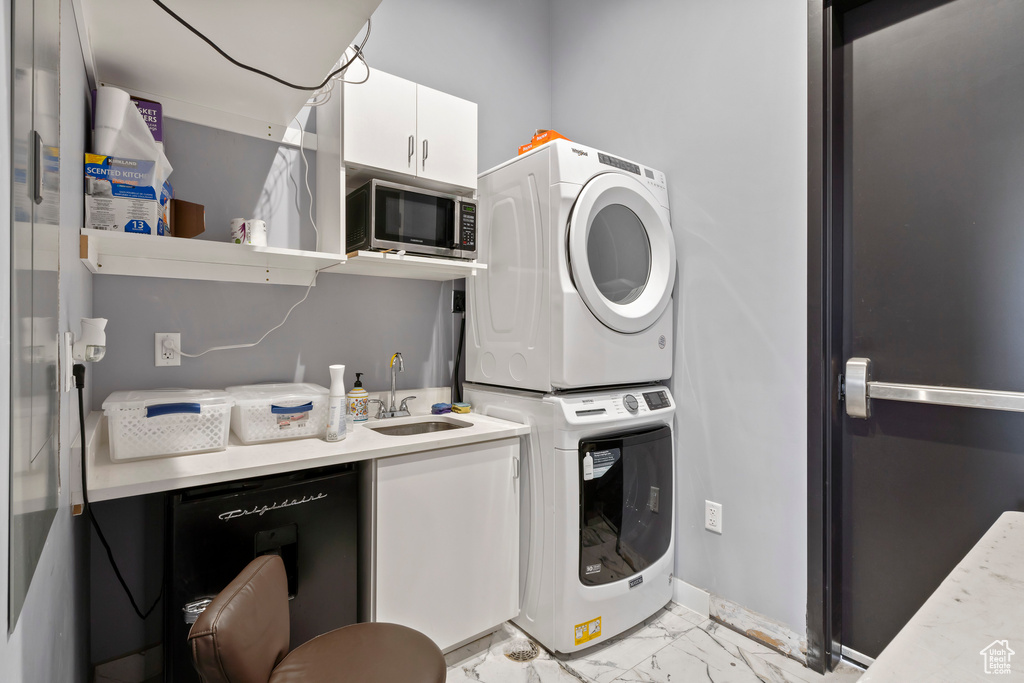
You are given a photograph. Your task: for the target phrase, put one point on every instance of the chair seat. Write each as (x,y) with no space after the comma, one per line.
(364,653)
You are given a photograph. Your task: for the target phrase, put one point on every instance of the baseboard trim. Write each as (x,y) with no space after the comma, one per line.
(858,658)
(764,630)
(691,597)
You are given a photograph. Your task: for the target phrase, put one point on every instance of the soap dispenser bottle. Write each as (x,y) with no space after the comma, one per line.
(336,404)
(357,400)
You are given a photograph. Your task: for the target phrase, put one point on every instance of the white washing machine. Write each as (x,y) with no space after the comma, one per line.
(597,526)
(581,265)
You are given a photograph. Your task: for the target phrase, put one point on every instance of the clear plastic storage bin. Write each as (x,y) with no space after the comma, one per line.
(274,412)
(150,424)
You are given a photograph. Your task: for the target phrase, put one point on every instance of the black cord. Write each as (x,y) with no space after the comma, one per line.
(456,387)
(79,374)
(225,55)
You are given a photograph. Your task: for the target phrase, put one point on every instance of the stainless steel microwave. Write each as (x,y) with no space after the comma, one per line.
(383,215)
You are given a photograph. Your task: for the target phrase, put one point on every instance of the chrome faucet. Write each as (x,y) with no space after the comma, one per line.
(397,365)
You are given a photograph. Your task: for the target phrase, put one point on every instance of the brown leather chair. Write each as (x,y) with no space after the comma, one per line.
(242,637)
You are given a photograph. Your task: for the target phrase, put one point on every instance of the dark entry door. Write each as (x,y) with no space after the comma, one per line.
(933,199)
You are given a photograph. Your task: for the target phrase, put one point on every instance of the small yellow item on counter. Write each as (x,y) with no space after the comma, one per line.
(461,407)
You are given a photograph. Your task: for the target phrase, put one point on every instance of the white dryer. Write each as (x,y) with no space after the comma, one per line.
(597,525)
(581,265)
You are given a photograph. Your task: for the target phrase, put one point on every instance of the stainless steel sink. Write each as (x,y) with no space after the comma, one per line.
(417,426)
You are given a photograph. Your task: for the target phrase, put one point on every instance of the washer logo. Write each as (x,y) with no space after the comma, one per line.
(580,152)
(633,583)
(661,342)
(593,569)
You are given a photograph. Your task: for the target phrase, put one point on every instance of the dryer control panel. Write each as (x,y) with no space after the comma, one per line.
(622,405)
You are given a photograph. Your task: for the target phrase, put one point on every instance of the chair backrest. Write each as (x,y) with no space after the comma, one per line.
(243,634)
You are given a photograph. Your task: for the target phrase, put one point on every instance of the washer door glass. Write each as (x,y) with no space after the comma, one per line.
(625,504)
(621,252)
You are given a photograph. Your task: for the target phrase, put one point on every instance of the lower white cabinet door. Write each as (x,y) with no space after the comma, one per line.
(447,540)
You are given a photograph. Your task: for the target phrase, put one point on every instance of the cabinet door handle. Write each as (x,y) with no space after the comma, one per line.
(424,154)
(37,168)
(515,468)
(412,148)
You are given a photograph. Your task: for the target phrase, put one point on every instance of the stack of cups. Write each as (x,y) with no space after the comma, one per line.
(249,231)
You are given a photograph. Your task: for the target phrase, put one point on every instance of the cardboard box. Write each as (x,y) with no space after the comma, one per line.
(187,219)
(120,196)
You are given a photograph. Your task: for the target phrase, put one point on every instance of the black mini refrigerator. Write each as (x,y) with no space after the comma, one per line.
(309,518)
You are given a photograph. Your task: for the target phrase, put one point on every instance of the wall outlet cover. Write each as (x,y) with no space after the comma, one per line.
(713,516)
(167,344)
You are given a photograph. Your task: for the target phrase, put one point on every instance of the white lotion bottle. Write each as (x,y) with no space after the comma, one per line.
(336,426)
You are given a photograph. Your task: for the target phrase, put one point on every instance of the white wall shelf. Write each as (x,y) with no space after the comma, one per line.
(407,266)
(118,253)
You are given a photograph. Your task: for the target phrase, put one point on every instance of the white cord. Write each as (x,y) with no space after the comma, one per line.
(312,282)
(315,101)
(305,164)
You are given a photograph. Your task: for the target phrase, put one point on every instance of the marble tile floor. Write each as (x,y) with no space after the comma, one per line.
(675,645)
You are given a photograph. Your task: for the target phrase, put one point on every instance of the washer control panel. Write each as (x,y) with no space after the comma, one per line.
(632,403)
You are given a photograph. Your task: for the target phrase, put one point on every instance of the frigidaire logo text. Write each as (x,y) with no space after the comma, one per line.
(581,152)
(269,508)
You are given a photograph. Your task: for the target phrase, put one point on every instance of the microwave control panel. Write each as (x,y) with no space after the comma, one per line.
(467,226)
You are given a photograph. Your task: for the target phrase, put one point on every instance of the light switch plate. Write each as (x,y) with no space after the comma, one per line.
(66,362)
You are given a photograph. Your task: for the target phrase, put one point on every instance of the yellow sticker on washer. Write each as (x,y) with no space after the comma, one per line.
(588,630)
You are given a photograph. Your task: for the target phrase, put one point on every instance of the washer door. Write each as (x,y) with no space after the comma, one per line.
(622,255)
(625,504)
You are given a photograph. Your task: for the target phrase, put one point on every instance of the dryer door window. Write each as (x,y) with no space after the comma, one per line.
(621,252)
(625,504)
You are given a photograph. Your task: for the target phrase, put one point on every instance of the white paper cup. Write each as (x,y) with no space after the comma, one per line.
(257,232)
(238,233)
(249,231)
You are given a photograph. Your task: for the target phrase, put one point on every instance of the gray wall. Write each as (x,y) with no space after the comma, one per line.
(49,641)
(713,93)
(498,57)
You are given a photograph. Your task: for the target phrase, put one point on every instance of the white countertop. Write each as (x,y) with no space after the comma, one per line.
(107,480)
(979,604)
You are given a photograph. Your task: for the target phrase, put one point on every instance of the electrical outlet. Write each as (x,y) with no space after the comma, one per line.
(713,516)
(167,346)
(458,302)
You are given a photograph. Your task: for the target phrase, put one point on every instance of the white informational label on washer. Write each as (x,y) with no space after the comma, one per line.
(596,464)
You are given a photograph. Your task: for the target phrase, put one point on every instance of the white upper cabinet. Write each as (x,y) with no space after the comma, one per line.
(407,130)
(446,127)
(380,123)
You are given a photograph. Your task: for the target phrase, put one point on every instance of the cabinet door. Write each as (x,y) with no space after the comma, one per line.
(447,540)
(380,123)
(447,138)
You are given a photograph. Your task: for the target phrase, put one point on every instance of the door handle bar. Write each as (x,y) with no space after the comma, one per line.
(860,389)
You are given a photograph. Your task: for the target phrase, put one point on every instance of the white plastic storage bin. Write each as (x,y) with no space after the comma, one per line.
(274,412)
(150,424)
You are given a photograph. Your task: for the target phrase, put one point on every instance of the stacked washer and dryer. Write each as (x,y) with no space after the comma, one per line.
(570,331)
